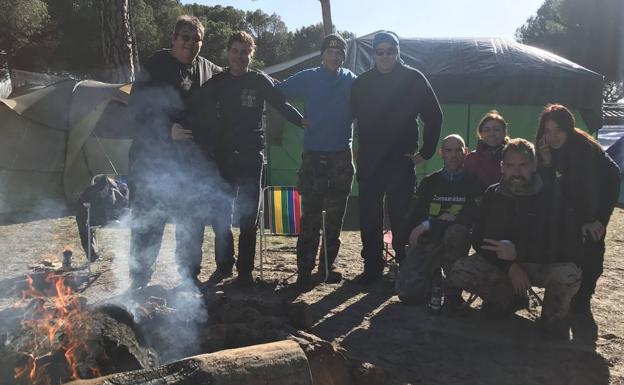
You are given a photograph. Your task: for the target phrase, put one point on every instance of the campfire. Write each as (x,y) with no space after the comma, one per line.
(52,337)
(55,320)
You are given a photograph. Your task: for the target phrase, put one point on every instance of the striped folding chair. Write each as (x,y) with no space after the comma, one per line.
(283,207)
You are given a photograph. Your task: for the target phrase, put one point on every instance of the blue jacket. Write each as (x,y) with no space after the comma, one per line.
(326,98)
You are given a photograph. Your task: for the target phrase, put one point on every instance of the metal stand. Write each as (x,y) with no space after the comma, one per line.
(87,205)
(323,214)
(262,243)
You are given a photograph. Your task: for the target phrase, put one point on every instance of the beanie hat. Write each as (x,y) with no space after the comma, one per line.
(385,37)
(334,41)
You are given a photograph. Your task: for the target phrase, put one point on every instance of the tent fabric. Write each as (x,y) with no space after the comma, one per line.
(56,138)
(494,70)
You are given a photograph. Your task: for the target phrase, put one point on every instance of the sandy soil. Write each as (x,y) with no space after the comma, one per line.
(412,346)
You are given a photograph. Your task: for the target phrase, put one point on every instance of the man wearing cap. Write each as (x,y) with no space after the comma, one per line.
(386,101)
(326,171)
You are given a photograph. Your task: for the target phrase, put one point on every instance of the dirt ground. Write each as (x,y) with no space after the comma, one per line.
(412,346)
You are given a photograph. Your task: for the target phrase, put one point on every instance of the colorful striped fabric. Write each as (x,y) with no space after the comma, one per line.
(284,208)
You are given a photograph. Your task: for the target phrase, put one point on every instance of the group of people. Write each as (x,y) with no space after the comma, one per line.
(197,158)
(536,216)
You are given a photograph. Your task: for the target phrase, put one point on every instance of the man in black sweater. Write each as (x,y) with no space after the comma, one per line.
(163,172)
(386,101)
(443,213)
(231,108)
(514,248)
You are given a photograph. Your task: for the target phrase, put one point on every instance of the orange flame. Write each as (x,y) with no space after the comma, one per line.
(56,327)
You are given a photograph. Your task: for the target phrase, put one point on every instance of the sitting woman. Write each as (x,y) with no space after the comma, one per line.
(585,185)
(484,162)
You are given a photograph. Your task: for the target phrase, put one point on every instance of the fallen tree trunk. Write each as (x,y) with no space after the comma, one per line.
(277,363)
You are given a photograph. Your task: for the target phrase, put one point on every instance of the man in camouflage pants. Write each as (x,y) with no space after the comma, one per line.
(443,213)
(327,168)
(514,249)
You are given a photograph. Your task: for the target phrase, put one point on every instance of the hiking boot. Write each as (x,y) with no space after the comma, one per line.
(454,303)
(244,279)
(138,283)
(558,330)
(581,305)
(368,277)
(335,276)
(218,276)
(393,270)
(94,256)
(304,281)
(497,312)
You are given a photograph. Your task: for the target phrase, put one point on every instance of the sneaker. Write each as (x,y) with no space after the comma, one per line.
(304,281)
(335,276)
(244,279)
(368,277)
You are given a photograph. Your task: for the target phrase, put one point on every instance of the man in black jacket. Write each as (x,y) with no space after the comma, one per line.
(386,101)
(514,247)
(444,211)
(164,174)
(230,107)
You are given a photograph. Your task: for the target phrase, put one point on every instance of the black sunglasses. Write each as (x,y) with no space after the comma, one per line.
(387,52)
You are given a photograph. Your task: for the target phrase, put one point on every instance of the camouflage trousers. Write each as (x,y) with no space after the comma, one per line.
(561,280)
(422,260)
(324,184)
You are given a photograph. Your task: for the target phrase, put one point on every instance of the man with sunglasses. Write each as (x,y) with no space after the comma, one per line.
(326,171)
(161,168)
(386,101)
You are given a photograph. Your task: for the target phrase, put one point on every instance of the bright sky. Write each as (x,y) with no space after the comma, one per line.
(408,18)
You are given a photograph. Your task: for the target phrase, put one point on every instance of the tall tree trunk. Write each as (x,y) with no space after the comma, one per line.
(118,45)
(328,26)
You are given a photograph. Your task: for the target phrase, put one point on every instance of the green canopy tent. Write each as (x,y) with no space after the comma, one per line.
(470,77)
(54,139)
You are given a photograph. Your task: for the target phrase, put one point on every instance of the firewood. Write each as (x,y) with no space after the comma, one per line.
(277,363)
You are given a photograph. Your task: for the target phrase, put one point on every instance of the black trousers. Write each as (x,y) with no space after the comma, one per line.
(396,181)
(243,175)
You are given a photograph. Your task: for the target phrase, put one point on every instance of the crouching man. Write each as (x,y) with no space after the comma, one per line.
(443,213)
(514,249)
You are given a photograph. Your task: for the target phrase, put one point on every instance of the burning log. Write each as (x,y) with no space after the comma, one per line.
(53,339)
(277,363)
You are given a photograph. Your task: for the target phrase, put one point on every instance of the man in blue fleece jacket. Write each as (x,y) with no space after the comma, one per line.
(326,171)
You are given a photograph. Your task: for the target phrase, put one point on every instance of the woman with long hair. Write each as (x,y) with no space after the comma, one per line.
(585,183)
(484,162)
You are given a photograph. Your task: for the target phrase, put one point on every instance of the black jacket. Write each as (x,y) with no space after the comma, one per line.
(230,112)
(440,193)
(160,97)
(585,182)
(525,221)
(385,107)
